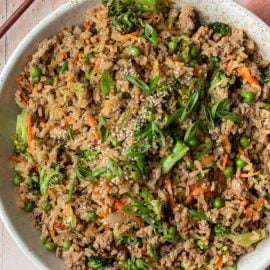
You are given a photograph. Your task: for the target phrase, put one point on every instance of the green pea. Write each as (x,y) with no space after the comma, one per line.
(46,206)
(245,141)
(50,246)
(67,244)
(88,75)
(194,52)
(248,96)
(140,263)
(240,163)
(172,45)
(232,267)
(218,202)
(17,179)
(172,230)
(91,216)
(136,176)
(201,244)
(35,73)
(29,207)
(228,172)
(193,142)
(115,142)
(193,63)
(133,51)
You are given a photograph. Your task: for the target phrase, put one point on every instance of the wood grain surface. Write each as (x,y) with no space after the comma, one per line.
(11,257)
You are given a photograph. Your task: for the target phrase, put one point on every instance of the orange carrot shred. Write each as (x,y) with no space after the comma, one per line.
(248,213)
(92,121)
(244,72)
(207,160)
(225,161)
(259,204)
(219,262)
(96,134)
(119,205)
(17,159)
(29,132)
(197,71)
(153,16)
(97,66)
(241,151)
(244,203)
(133,35)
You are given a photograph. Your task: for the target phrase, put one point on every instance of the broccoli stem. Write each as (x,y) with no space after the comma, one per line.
(178,152)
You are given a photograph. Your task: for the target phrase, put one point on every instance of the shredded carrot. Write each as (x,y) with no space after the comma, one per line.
(248,213)
(63,55)
(219,262)
(149,66)
(225,161)
(189,199)
(17,159)
(96,134)
(207,160)
(58,226)
(119,205)
(86,24)
(241,151)
(67,210)
(244,72)
(92,121)
(107,188)
(247,175)
(168,185)
(244,203)
(259,204)
(196,190)
(133,35)
(29,132)
(197,71)
(106,227)
(52,232)
(152,16)
(97,62)
(29,57)
(50,193)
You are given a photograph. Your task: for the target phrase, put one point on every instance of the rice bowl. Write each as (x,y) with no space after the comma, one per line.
(171,145)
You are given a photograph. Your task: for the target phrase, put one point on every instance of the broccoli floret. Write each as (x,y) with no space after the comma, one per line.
(46,179)
(126,22)
(116,8)
(266,76)
(20,140)
(98,263)
(222,230)
(219,80)
(221,28)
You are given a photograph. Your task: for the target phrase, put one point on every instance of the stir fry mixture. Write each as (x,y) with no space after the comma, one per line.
(143,140)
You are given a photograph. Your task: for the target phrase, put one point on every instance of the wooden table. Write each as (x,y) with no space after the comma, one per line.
(10,255)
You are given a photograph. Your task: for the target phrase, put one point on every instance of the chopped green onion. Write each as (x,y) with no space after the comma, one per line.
(115,168)
(194,52)
(230,116)
(71,189)
(153,252)
(103,129)
(231,267)
(64,66)
(124,118)
(220,105)
(70,133)
(35,73)
(106,82)
(151,34)
(174,116)
(190,107)
(199,215)
(208,116)
(178,152)
(91,216)
(29,207)
(201,244)
(46,206)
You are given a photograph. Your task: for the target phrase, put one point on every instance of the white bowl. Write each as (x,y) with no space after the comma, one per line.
(72,13)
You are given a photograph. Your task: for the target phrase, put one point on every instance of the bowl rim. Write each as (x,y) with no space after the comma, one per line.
(24,43)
